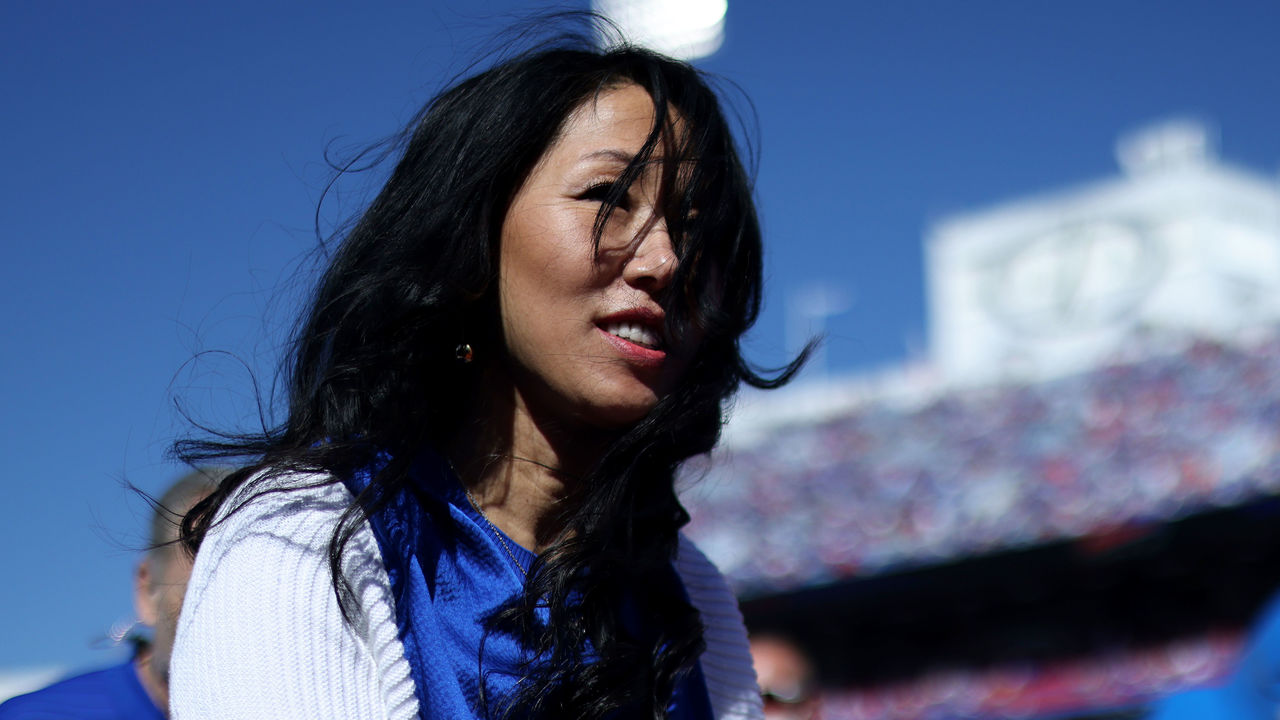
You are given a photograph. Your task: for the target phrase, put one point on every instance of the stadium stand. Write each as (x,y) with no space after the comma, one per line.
(1070,548)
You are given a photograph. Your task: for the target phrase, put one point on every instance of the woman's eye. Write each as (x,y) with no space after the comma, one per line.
(601,193)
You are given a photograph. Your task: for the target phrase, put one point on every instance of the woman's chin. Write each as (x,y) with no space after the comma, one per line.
(620,413)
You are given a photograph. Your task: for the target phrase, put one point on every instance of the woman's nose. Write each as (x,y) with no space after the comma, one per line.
(654,261)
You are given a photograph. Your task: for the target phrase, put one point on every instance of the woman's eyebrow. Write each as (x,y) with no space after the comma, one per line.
(622,158)
(610,154)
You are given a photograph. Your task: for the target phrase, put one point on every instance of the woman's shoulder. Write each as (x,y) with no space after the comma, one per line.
(726,661)
(707,588)
(285,524)
(262,633)
(279,525)
(692,564)
(303,507)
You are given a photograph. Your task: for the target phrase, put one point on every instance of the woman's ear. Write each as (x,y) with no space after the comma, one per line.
(144,600)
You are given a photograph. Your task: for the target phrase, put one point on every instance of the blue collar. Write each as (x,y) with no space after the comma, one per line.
(449,569)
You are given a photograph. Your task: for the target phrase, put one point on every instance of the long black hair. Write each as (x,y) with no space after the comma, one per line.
(372,366)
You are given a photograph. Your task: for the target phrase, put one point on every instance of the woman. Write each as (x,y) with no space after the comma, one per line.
(469,510)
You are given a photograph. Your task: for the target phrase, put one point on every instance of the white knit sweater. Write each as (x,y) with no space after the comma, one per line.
(261,634)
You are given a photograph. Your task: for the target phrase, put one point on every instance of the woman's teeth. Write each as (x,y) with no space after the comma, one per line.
(638,334)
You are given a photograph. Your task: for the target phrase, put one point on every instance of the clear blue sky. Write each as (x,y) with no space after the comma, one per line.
(162,162)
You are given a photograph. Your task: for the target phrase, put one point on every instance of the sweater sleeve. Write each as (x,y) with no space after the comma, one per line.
(726,662)
(261,633)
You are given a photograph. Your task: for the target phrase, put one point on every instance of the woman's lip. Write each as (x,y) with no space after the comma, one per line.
(635,354)
(643,316)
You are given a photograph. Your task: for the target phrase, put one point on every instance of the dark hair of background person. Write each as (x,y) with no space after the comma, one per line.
(372,364)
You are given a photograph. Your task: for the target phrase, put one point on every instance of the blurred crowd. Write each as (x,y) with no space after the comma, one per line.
(976,470)
(1119,681)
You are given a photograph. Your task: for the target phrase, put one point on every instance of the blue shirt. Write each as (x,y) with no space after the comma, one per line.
(111,694)
(449,569)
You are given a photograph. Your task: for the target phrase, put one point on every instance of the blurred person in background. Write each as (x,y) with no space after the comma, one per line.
(137,689)
(788,683)
(1250,692)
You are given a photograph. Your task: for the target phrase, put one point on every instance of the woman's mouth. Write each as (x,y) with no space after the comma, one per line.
(634,333)
(636,336)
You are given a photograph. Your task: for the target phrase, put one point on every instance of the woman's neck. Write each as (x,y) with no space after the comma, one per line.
(520,470)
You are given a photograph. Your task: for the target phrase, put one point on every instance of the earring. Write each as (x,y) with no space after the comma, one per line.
(464,353)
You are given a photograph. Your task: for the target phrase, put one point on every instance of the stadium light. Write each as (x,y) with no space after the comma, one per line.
(687,29)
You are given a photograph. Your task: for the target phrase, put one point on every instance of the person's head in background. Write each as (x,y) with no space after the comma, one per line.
(787,681)
(160,581)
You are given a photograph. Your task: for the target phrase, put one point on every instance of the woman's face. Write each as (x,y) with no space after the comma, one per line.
(584,330)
